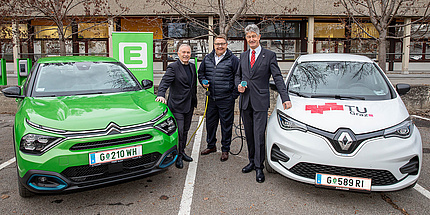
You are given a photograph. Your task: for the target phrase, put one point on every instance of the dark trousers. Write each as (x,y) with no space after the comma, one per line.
(255,127)
(220,111)
(183,120)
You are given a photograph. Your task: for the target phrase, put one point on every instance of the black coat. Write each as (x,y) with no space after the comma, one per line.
(221,76)
(258,77)
(182,93)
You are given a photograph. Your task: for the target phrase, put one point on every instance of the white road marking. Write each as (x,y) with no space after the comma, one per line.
(420,117)
(7,163)
(422,190)
(187,195)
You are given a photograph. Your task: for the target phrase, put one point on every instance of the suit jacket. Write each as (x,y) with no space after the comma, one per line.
(182,93)
(257,94)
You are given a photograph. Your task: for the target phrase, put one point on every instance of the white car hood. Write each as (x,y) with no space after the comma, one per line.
(358,115)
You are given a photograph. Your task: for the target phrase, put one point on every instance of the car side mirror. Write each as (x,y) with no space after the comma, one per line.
(146,84)
(402,89)
(273,86)
(13,92)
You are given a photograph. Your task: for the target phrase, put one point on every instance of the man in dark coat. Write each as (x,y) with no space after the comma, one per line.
(219,68)
(181,77)
(255,67)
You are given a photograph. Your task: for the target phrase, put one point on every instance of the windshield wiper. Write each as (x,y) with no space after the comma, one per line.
(299,94)
(337,96)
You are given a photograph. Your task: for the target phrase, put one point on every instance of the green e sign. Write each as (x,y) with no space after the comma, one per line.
(134,50)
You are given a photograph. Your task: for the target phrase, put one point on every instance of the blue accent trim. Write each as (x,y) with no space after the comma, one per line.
(170,163)
(318,178)
(59,180)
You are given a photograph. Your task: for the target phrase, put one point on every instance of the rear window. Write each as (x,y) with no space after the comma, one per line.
(339,80)
(78,78)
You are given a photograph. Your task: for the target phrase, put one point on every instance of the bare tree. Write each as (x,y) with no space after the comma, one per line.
(226,17)
(63,14)
(382,14)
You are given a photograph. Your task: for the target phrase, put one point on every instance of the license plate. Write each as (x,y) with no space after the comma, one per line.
(343,182)
(109,156)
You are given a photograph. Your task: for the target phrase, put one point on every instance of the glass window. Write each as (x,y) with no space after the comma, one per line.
(179,30)
(50,32)
(6,31)
(329,46)
(238,30)
(236,46)
(199,48)
(416,50)
(280,29)
(364,47)
(144,25)
(93,30)
(329,30)
(357,31)
(7,50)
(50,47)
(339,80)
(79,78)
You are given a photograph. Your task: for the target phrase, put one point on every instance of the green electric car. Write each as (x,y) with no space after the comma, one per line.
(85,121)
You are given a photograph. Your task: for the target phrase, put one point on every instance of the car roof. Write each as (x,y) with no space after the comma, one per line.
(62,59)
(333,57)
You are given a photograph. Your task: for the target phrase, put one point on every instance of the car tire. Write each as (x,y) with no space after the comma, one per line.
(23,191)
(269,169)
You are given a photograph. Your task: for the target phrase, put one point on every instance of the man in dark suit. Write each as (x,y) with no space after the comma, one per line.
(255,67)
(181,77)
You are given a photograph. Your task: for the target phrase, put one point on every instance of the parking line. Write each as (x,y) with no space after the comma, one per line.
(422,190)
(187,195)
(7,163)
(420,117)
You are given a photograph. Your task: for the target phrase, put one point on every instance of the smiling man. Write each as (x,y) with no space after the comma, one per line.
(219,68)
(181,77)
(255,67)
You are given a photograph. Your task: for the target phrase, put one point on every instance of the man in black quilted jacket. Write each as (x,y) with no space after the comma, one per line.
(219,69)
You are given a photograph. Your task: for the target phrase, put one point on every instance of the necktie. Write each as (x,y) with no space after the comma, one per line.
(252,58)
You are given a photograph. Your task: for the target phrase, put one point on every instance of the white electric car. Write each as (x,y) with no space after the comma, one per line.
(348,127)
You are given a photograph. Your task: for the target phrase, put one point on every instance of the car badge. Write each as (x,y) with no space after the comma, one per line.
(345,140)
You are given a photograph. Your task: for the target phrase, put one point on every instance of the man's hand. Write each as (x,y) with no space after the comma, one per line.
(241,88)
(161,99)
(287,105)
(205,86)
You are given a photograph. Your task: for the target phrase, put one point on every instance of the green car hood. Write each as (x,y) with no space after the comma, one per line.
(88,112)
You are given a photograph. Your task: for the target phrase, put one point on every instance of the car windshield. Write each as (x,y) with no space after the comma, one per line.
(339,80)
(79,78)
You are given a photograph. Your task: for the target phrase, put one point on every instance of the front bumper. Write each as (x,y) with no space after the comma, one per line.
(85,176)
(379,158)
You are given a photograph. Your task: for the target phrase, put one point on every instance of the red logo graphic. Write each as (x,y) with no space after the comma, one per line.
(321,108)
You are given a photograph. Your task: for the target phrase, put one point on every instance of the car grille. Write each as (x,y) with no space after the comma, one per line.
(379,177)
(88,173)
(111,142)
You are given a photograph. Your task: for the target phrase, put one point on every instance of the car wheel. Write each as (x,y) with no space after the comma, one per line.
(268,167)
(24,192)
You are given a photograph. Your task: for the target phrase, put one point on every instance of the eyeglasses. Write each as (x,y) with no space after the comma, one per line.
(220,44)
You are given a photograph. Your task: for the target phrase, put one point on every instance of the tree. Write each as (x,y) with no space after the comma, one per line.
(382,14)
(62,14)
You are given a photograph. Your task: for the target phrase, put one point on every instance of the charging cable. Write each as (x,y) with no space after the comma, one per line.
(244,84)
(205,82)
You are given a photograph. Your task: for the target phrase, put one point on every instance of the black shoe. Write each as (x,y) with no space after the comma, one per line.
(248,168)
(179,164)
(186,158)
(259,175)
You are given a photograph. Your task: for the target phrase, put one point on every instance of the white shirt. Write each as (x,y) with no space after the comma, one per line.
(257,52)
(218,59)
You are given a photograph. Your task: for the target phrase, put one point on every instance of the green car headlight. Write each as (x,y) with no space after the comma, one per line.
(167,126)
(37,144)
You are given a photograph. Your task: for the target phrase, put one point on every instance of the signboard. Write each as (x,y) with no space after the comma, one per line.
(135,50)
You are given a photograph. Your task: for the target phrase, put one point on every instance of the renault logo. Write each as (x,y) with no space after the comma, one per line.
(344,140)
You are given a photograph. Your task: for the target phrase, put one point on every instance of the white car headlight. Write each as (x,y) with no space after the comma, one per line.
(289,123)
(402,130)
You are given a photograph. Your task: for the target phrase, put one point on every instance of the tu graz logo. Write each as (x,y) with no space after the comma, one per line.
(353,110)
